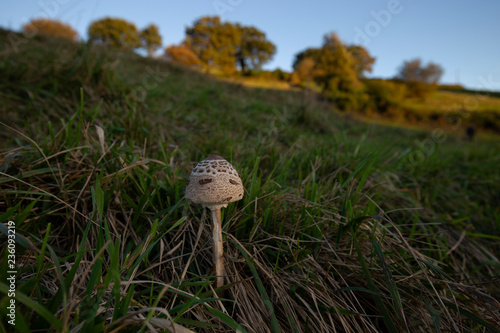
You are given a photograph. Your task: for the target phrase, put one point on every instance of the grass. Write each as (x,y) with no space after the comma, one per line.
(448,99)
(345,226)
(456,110)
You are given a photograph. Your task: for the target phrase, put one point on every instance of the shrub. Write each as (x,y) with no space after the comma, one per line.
(280,75)
(182,55)
(419,89)
(384,94)
(50,28)
(347,101)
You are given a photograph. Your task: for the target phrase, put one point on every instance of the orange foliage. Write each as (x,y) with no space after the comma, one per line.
(182,55)
(51,28)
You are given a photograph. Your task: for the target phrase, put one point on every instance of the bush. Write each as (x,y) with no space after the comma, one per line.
(489,120)
(419,89)
(181,55)
(384,94)
(50,28)
(280,75)
(347,101)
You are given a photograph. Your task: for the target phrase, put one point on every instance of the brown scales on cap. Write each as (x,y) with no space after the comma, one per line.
(214,183)
(205,181)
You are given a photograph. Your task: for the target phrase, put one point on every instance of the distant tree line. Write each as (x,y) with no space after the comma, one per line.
(209,42)
(335,69)
(114,32)
(339,71)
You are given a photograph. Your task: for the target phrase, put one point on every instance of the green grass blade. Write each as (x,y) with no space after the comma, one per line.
(35,306)
(378,300)
(262,290)
(10,212)
(393,288)
(226,319)
(20,239)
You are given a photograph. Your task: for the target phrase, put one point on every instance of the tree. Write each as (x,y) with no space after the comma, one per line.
(414,71)
(421,80)
(358,58)
(51,28)
(224,45)
(335,69)
(363,61)
(254,49)
(213,42)
(150,39)
(114,32)
(182,55)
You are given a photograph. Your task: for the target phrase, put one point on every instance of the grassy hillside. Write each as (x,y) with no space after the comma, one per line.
(453,108)
(457,109)
(345,226)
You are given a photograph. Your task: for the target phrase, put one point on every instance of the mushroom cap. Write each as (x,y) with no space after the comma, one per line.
(214,183)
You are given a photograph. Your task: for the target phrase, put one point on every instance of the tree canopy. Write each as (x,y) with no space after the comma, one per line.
(51,28)
(334,66)
(254,49)
(226,45)
(333,56)
(337,68)
(115,32)
(415,71)
(213,42)
(304,69)
(363,61)
(151,39)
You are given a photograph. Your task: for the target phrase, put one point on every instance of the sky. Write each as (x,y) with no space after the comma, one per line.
(461,36)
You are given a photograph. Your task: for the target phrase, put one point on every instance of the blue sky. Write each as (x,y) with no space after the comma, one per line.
(461,36)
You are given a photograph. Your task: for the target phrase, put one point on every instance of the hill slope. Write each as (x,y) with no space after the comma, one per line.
(345,226)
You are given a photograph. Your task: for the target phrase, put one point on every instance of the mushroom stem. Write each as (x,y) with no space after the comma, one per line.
(218,250)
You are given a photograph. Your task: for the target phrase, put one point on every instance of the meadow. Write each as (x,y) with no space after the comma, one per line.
(346,225)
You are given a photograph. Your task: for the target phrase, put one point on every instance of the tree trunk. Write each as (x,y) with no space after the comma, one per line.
(242,65)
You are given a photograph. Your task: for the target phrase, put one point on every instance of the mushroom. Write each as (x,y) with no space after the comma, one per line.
(214,183)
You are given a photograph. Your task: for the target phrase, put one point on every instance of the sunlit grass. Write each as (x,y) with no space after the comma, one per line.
(443,101)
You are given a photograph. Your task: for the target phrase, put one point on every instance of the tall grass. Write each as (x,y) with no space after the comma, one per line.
(334,234)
